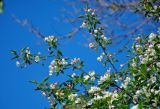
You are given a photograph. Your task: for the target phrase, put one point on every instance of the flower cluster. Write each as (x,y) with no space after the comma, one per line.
(92,45)
(102,96)
(74,97)
(73,75)
(100,57)
(94,89)
(149,8)
(60,93)
(126,82)
(37,58)
(51,41)
(90,76)
(57,65)
(147,54)
(75,61)
(84,25)
(52,86)
(105,77)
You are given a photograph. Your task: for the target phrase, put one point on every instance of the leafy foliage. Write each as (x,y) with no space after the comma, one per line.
(150,8)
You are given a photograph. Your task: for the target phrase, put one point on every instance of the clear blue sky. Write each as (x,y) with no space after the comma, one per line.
(15,91)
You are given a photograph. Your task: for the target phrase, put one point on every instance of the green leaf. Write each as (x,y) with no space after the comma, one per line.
(98,22)
(38,88)
(22,50)
(87,6)
(140,105)
(59,52)
(143,70)
(45,79)
(14,52)
(51,52)
(15,57)
(81,16)
(105,63)
(33,82)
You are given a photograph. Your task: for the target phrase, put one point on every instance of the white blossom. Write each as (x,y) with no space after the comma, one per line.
(84,25)
(98,97)
(138,92)
(158,45)
(50,39)
(72,97)
(134,107)
(95,31)
(54,65)
(37,59)
(73,75)
(153,79)
(99,59)
(28,51)
(152,90)
(94,89)
(152,36)
(105,77)
(144,60)
(133,64)
(90,102)
(89,10)
(93,13)
(121,65)
(52,86)
(78,100)
(137,39)
(18,63)
(91,45)
(115,95)
(43,93)
(86,77)
(91,73)
(93,78)
(106,94)
(156,92)
(64,62)
(158,64)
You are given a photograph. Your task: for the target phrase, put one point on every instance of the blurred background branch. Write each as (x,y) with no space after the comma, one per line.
(121,18)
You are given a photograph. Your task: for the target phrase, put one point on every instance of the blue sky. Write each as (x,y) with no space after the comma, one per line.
(15,90)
